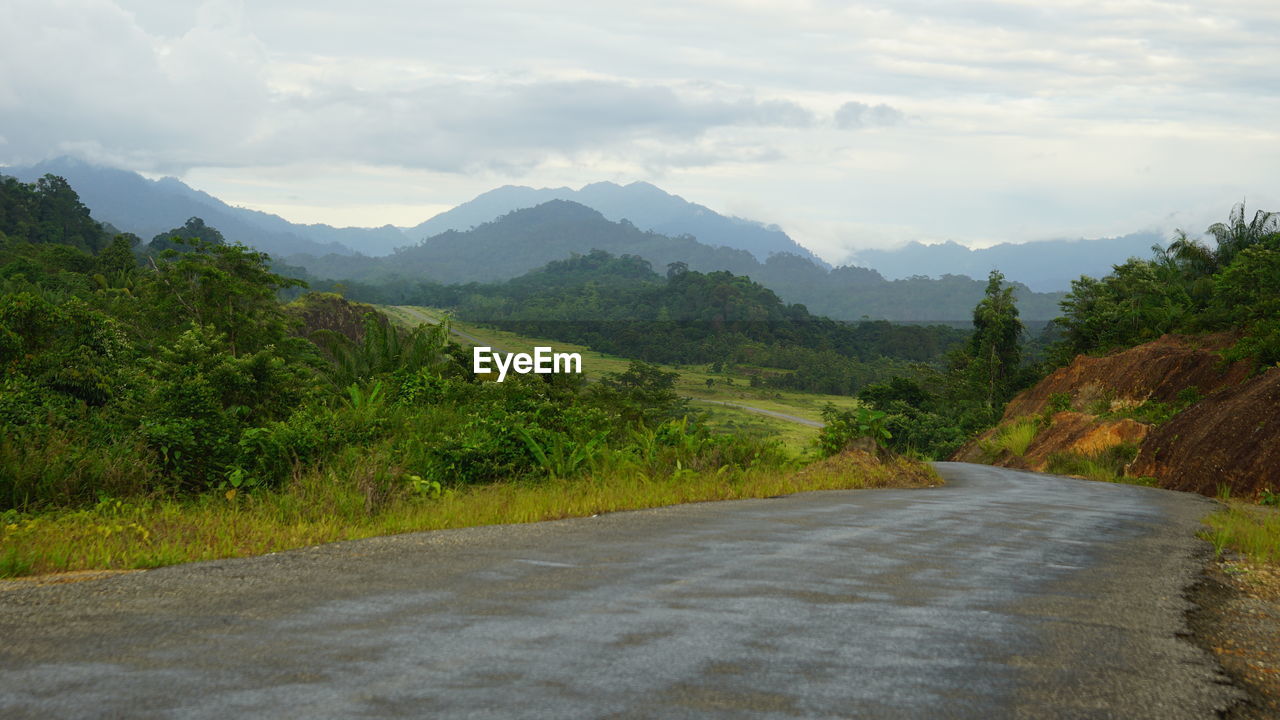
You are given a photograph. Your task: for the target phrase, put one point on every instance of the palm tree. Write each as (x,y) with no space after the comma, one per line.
(1196,259)
(1236,235)
(384,350)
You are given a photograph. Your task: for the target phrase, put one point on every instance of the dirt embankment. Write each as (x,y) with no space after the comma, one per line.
(1063,432)
(1231,435)
(1157,370)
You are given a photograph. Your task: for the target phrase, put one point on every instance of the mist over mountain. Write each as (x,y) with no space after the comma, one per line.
(133,203)
(1044,265)
(527,239)
(646,206)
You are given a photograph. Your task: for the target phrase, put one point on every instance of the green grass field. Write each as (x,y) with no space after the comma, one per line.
(726,386)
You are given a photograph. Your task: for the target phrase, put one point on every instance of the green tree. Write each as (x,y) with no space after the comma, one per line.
(181,238)
(643,394)
(229,287)
(1236,234)
(1247,295)
(994,348)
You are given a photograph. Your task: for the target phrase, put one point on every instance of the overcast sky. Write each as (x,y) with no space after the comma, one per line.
(849,124)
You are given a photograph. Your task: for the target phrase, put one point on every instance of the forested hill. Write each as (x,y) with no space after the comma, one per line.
(620,305)
(646,205)
(527,239)
(135,204)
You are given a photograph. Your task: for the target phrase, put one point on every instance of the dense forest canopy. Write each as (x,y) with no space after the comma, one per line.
(620,305)
(1190,286)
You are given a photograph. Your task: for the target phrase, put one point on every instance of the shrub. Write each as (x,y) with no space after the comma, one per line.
(844,426)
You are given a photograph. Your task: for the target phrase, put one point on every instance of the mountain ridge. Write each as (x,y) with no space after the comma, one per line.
(133,203)
(643,204)
(526,239)
(1044,265)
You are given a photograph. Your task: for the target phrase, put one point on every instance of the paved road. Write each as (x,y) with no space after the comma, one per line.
(1001,594)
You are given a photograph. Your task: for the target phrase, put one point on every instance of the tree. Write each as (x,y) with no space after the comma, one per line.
(229,287)
(994,350)
(180,239)
(643,394)
(1235,235)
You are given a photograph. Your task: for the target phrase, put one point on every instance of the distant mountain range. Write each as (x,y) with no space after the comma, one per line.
(1044,265)
(525,240)
(145,207)
(644,205)
(132,203)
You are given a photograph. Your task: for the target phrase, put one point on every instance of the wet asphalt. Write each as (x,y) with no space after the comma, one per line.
(1001,594)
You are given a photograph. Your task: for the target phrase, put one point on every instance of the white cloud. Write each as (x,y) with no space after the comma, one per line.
(1047,117)
(854,115)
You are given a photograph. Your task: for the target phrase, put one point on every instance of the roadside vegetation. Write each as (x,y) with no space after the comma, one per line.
(1129,421)
(724,383)
(161,403)
(186,398)
(1251,529)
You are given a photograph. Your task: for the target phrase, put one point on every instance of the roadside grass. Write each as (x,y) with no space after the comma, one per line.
(334,505)
(1013,438)
(1106,466)
(1251,530)
(726,386)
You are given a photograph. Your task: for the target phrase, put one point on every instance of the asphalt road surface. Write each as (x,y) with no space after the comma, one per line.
(1001,594)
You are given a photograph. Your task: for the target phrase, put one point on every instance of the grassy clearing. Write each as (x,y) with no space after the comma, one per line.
(325,507)
(1251,530)
(797,438)
(727,386)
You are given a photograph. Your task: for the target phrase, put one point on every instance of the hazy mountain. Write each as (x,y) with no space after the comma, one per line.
(1044,265)
(528,238)
(645,205)
(146,208)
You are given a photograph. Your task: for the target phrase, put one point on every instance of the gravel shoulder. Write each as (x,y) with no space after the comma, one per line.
(1237,618)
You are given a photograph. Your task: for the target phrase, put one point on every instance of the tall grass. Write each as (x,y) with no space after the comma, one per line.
(360,498)
(1253,531)
(1106,466)
(1013,438)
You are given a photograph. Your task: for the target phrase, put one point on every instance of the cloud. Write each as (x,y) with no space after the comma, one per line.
(854,115)
(109,91)
(718,98)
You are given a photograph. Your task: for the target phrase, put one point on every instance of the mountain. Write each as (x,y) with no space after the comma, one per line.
(529,238)
(526,239)
(146,208)
(646,206)
(1044,265)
